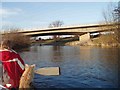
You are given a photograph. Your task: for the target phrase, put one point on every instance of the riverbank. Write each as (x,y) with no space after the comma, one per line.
(102,41)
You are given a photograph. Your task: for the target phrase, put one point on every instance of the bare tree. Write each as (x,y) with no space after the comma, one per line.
(108,14)
(117,13)
(18,40)
(57,23)
(112,16)
(117,21)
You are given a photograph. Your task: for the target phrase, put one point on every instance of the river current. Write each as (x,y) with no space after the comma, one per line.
(81,67)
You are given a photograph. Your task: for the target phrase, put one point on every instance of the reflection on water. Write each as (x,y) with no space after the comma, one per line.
(82,67)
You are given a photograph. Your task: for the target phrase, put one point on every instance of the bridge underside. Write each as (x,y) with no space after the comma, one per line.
(83,36)
(62,33)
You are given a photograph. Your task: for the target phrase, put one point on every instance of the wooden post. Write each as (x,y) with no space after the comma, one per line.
(27,77)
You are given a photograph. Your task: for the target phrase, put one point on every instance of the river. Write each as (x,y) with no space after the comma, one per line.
(81,67)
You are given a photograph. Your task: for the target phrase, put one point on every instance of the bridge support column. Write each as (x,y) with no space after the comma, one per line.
(84,37)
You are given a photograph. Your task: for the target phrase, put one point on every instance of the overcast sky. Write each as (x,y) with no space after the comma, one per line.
(41,14)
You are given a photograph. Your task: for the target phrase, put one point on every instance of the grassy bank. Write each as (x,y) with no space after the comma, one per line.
(108,40)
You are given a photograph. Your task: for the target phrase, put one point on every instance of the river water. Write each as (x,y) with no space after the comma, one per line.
(81,67)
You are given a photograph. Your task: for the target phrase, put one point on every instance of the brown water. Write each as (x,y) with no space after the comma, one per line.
(81,67)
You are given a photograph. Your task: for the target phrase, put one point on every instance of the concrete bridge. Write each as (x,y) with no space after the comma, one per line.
(70,30)
(82,30)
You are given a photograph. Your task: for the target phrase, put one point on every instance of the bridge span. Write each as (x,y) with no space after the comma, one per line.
(71,30)
(82,30)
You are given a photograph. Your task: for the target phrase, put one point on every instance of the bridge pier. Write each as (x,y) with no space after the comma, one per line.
(85,37)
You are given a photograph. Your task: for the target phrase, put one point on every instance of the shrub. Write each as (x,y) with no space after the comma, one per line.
(18,40)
